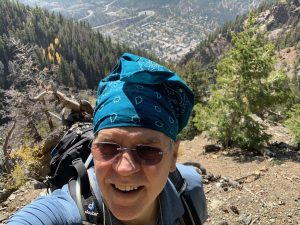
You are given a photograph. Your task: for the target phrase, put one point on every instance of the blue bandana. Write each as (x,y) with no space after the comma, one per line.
(142,93)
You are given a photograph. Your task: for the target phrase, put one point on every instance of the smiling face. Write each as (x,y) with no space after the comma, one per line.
(130,188)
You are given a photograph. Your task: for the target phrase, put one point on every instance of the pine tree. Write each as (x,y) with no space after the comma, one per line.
(293,122)
(247,87)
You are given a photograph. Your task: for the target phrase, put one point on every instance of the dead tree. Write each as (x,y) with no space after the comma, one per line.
(5,147)
(31,124)
(81,111)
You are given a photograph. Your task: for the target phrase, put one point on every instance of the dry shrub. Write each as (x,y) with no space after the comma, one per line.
(26,160)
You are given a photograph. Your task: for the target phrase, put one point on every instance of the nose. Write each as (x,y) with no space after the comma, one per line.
(125,164)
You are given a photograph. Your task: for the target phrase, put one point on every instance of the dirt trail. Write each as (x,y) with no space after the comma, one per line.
(269,193)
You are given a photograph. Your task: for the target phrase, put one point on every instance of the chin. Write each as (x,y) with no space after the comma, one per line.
(126,213)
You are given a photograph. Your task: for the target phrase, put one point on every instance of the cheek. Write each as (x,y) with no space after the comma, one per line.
(171,161)
(102,171)
(159,173)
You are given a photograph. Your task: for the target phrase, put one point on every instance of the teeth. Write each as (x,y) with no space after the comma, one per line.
(126,188)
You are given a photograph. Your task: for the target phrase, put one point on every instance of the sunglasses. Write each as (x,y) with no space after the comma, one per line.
(144,154)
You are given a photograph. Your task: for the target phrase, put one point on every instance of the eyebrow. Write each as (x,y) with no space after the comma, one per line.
(103,138)
(151,140)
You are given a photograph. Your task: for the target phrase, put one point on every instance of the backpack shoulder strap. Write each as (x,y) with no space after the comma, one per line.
(83,195)
(190,216)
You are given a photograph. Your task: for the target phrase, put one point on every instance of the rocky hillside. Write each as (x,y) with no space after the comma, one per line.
(279,21)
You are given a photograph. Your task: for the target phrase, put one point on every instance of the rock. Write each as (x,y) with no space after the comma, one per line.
(18,191)
(224,223)
(199,167)
(4,194)
(215,156)
(211,148)
(2,217)
(234,209)
(281,203)
(267,153)
(264,169)
(224,209)
(234,184)
(39,185)
(216,204)
(245,219)
(12,197)
(218,185)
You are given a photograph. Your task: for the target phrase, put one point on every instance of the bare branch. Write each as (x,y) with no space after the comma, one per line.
(67,102)
(10,132)
(40,96)
(54,115)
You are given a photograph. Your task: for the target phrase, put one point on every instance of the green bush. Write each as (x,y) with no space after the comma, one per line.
(293,122)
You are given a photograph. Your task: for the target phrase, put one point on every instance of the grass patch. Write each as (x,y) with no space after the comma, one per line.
(276,162)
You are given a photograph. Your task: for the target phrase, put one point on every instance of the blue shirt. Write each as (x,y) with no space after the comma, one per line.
(59,208)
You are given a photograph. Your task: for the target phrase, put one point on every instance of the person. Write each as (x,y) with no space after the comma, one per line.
(140,109)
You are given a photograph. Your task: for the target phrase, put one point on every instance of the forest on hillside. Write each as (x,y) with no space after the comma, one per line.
(281,23)
(79,56)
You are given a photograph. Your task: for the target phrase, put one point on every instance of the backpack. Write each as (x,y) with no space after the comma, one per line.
(71,158)
(74,145)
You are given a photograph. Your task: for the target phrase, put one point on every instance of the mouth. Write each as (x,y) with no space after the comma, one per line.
(126,189)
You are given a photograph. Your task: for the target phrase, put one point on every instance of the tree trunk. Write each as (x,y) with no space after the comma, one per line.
(5,148)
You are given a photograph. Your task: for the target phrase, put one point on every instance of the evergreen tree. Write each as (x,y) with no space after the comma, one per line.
(247,87)
(293,122)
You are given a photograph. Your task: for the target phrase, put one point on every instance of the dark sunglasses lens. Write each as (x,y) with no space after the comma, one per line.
(107,150)
(148,154)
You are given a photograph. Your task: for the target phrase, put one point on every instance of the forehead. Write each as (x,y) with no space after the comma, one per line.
(132,134)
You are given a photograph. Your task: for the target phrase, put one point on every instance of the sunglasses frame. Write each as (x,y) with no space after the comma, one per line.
(134,151)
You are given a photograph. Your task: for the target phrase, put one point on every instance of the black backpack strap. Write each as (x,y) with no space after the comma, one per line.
(83,175)
(84,197)
(190,216)
(178,181)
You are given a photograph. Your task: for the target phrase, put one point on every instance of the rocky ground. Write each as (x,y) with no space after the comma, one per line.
(240,188)
(247,189)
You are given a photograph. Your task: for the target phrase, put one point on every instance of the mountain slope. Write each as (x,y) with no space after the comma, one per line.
(280,21)
(79,55)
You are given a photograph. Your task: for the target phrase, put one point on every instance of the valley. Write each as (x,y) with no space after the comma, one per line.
(168,29)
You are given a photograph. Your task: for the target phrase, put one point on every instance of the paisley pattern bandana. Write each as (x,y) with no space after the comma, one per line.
(141,93)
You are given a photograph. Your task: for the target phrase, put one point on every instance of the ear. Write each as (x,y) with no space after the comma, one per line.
(174,155)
